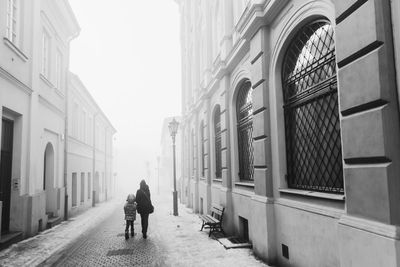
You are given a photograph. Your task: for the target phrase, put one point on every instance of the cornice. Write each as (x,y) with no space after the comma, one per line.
(51,106)
(11,78)
(259,15)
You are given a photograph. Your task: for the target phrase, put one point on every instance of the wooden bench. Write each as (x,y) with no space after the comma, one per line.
(213,221)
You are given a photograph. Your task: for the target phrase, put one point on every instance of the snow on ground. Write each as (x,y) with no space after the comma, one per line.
(179,238)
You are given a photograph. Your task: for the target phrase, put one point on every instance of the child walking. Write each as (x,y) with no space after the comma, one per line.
(130,214)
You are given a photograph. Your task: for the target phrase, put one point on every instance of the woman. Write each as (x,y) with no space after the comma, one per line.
(144,206)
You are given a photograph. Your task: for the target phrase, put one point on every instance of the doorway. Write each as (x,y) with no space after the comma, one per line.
(48,177)
(7,133)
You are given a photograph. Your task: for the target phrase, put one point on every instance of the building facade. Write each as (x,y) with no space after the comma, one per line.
(290,120)
(34,62)
(90,176)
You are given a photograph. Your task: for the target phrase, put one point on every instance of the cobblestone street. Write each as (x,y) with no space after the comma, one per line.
(172,241)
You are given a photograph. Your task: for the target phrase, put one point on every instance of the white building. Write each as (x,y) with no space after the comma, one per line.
(291,122)
(34,61)
(90,149)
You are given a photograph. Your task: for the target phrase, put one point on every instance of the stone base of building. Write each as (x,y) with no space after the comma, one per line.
(367,243)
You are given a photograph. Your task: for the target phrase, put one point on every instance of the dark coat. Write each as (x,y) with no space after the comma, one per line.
(143,200)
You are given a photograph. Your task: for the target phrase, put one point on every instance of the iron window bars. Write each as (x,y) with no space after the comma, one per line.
(244,112)
(193,155)
(313,144)
(203,154)
(217,131)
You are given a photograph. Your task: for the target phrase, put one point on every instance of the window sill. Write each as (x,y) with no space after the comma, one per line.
(15,49)
(306,193)
(245,184)
(46,80)
(217,180)
(59,92)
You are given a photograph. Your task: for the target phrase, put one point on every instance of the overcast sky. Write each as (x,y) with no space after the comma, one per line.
(128,56)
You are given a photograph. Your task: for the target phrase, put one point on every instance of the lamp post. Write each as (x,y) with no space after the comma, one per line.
(173,129)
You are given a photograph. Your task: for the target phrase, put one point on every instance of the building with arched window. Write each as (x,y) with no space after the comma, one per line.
(290,120)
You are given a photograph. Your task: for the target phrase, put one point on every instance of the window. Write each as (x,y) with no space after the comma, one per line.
(74,189)
(313,144)
(12,17)
(83,127)
(90,131)
(82,187)
(193,155)
(203,153)
(244,113)
(45,54)
(75,122)
(58,69)
(89,193)
(217,142)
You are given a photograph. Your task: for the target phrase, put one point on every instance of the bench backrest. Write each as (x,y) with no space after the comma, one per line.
(217,212)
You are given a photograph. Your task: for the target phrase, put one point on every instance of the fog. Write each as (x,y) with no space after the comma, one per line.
(128,56)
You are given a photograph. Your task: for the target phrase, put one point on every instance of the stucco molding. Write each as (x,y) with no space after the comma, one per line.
(312,208)
(263,199)
(385,230)
(15,49)
(259,15)
(9,77)
(51,106)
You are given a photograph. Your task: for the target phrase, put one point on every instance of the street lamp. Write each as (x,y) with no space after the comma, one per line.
(173,129)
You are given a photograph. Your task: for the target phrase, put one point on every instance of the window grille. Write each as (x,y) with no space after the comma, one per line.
(203,154)
(244,112)
(193,155)
(217,131)
(313,144)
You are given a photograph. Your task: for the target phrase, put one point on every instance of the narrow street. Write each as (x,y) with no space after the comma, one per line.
(172,241)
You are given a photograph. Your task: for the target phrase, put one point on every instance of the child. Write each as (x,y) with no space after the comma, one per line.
(130,214)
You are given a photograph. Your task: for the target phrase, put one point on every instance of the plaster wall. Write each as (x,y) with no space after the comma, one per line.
(312,238)
(203,195)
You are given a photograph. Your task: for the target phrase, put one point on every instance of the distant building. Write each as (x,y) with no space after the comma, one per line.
(166,157)
(90,138)
(291,122)
(34,62)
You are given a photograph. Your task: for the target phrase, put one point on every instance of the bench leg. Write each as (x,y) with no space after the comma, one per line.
(222,230)
(202,226)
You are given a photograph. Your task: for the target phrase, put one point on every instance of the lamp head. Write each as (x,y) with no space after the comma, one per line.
(173,127)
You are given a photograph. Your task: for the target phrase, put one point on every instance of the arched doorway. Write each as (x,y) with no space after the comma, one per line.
(48,178)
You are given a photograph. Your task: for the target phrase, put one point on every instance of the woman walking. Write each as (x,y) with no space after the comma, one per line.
(144,205)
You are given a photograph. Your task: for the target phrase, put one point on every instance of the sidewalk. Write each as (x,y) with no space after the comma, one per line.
(172,241)
(186,245)
(34,250)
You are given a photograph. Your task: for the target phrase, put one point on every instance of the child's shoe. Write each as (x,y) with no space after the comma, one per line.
(126,235)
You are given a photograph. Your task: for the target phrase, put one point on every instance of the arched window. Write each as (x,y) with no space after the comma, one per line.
(193,154)
(217,142)
(244,114)
(313,145)
(203,153)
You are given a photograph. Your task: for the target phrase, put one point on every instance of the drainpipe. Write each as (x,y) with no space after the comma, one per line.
(105,162)
(66,149)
